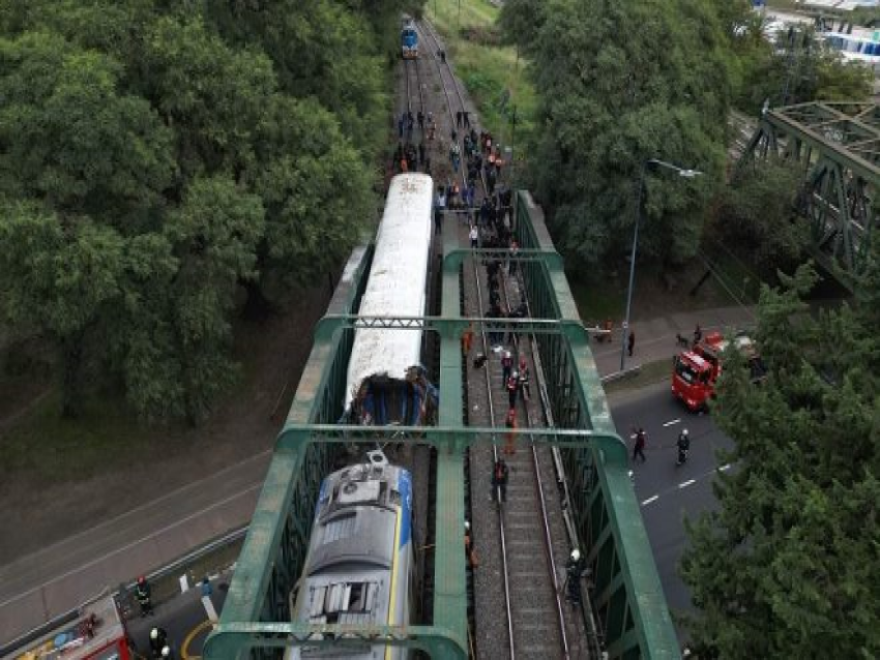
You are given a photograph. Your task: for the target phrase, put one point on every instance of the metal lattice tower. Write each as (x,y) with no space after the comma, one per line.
(838,146)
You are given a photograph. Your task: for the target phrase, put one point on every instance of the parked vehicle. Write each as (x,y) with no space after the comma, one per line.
(696,370)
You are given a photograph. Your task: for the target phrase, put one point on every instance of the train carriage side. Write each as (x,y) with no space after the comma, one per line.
(385,382)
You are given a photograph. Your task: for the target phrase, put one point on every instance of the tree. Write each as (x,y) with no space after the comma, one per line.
(756,214)
(787,566)
(609,103)
(59,277)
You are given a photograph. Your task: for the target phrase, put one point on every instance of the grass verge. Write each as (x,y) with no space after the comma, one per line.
(57,449)
(650,374)
(485,67)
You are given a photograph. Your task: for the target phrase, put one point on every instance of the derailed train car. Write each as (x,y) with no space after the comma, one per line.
(359,566)
(386,384)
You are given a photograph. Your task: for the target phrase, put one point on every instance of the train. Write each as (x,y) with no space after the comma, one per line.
(359,566)
(409,41)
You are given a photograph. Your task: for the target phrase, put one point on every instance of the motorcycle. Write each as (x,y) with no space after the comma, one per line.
(682,457)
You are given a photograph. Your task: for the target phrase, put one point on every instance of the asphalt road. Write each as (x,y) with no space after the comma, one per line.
(184,619)
(669,493)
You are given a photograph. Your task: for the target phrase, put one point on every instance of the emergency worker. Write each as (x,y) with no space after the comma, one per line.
(143,593)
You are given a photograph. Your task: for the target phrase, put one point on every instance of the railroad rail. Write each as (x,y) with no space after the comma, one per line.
(535,622)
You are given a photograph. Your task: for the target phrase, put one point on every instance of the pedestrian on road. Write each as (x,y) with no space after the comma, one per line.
(506,366)
(500,474)
(631,342)
(510,423)
(639,448)
(512,389)
(420,117)
(467,338)
(469,550)
(143,593)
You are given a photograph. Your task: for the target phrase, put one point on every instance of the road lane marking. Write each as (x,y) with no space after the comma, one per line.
(685,484)
(184,649)
(184,584)
(674,421)
(209,609)
(650,499)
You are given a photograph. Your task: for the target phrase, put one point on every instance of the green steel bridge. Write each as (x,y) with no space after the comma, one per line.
(627,594)
(837,145)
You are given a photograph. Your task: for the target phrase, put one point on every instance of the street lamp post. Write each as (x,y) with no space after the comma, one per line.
(651,163)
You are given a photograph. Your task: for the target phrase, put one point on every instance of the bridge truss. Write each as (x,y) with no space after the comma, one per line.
(838,146)
(627,595)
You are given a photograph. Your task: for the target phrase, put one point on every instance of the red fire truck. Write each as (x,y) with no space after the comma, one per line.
(97,633)
(695,371)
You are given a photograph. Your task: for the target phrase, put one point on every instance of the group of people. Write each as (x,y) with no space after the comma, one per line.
(409,156)
(682,444)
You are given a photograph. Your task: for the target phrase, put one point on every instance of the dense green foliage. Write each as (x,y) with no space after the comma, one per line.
(788,567)
(756,214)
(621,82)
(156,156)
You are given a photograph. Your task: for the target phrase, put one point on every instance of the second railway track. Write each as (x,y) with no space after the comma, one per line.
(523,616)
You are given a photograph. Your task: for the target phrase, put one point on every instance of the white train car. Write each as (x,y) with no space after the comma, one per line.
(359,567)
(385,382)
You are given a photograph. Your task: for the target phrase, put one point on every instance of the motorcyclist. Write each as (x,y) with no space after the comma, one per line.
(683,444)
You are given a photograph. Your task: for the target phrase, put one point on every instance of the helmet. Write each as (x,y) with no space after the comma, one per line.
(467,526)
(575,554)
(142,579)
(154,633)
(684,432)
(166,651)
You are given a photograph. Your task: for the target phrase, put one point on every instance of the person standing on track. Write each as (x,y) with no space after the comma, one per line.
(506,366)
(500,474)
(467,339)
(458,119)
(631,342)
(524,378)
(474,235)
(510,423)
(512,389)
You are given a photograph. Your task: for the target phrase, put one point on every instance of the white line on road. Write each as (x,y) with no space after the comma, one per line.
(650,499)
(209,609)
(685,484)
(674,421)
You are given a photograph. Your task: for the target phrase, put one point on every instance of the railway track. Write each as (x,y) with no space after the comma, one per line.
(535,623)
